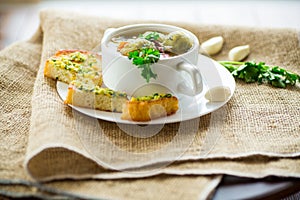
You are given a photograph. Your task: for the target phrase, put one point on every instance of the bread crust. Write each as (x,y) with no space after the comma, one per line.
(148,110)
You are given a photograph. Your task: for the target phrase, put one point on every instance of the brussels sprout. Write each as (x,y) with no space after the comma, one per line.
(177,42)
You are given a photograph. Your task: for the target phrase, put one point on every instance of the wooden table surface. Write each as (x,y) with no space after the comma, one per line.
(19,22)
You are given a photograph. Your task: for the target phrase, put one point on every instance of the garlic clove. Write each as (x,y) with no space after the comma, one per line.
(239,53)
(213,45)
(218,94)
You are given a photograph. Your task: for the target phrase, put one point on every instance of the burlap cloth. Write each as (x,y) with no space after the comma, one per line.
(255,135)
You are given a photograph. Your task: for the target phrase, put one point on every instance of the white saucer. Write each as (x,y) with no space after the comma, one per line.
(213,75)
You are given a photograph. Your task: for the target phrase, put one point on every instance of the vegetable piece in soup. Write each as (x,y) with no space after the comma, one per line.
(177,42)
(135,44)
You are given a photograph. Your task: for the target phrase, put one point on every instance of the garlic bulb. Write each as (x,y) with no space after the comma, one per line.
(213,45)
(239,53)
(217,94)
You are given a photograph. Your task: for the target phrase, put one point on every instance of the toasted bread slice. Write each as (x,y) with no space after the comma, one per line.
(68,65)
(149,107)
(91,96)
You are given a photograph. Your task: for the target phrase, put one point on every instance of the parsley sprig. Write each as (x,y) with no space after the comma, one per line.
(143,58)
(261,73)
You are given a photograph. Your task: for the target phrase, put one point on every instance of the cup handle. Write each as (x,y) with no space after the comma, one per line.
(195,77)
(98,48)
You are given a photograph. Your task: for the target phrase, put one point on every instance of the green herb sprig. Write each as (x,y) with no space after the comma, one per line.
(150,36)
(143,58)
(261,73)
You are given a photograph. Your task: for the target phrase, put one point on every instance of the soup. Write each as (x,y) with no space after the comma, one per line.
(168,45)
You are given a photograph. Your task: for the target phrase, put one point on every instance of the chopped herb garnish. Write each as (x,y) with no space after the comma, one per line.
(152,36)
(155,96)
(143,59)
(261,73)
